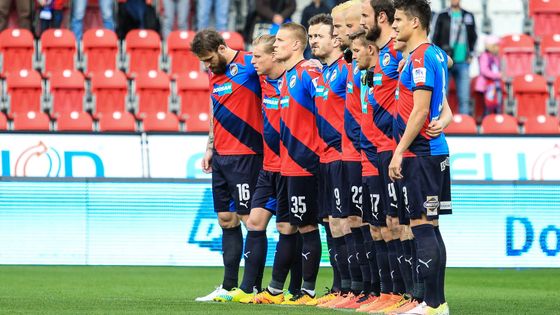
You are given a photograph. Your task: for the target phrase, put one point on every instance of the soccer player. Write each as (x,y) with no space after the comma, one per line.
(420,160)
(269,197)
(299,147)
(235,145)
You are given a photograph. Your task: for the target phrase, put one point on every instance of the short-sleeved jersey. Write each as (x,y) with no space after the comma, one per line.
(425,68)
(385,81)
(352,116)
(330,100)
(236,103)
(299,138)
(367,137)
(271,128)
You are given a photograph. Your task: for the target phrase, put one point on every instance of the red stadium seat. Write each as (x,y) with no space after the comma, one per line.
(478,99)
(3,121)
(161,122)
(109,89)
(143,49)
(234,40)
(59,50)
(452,98)
(194,94)
(74,121)
(17,48)
(24,91)
(461,124)
(542,125)
(546,16)
(152,90)
(518,54)
(100,50)
(550,50)
(181,58)
(117,121)
(67,90)
(32,121)
(499,124)
(531,95)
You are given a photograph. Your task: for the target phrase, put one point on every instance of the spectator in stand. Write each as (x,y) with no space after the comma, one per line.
(172,8)
(221,13)
(489,82)
(50,13)
(455,32)
(23,8)
(314,8)
(271,14)
(79,11)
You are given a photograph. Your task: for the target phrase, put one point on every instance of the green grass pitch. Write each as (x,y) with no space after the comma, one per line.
(171,290)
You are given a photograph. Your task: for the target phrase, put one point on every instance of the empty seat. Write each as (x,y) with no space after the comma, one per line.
(3,121)
(194,99)
(181,58)
(506,16)
(67,91)
(499,124)
(109,91)
(17,48)
(24,90)
(161,122)
(452,96)
(100,50)
(546,16)
(461,124)
(478,100)
(143,49)
(531,96)
(117,121)
(59,50)
(518,53)
(550,50)
(74,121)
(152,92)
(234,40)
(542,125)
(31,121)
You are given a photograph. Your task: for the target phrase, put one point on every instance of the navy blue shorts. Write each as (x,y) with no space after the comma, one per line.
(390,194)
(302,200)
(330,190)
(270,194)
(234,178)
(372,190)
(426,186)
(352,192)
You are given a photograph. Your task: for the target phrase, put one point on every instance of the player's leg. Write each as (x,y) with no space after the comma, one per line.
(445,209)
(296,270)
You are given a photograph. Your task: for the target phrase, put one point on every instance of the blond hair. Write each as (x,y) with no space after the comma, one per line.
(267,41)
(343,7)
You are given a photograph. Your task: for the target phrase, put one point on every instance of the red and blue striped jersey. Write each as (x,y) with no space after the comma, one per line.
(271,117)
(236,102)
(299,138)
(385,81)
(426,69)
(352,116)
(330,100)
(370,165)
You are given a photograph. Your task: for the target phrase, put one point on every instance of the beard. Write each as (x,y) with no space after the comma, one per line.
(221,67)
(373,33)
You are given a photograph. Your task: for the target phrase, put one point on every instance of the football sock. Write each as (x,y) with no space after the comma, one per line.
(330,244)
(418,291)
(428,261)
(396,277)
(362,259)
(407,265)
(296,268)
(383,265)
(372,261)
(311,253)
(356,284)
(341,258)
(443,263)
(232,248)
(255,256)
(283,259)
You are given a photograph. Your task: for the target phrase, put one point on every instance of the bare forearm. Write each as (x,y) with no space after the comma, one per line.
(210,144)
(446,114)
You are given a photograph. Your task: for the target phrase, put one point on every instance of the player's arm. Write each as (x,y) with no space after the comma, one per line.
(435,128)
(207,159)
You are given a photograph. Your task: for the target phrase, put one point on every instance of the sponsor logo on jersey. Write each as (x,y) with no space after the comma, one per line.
(377,79)
(419,75)
(270,102)
(285,101)
(431,205)
(223,89)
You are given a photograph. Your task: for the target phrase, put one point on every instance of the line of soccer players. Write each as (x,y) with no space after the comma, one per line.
(353,143)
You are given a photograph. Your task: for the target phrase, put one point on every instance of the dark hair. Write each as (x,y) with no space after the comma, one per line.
(416,8)
(361,36)
(322,18)
(298,31)
(383,6)
(206,41)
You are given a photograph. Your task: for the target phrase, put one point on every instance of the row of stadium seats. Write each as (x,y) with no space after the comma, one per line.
(496,124)
(520,55)
(141,51)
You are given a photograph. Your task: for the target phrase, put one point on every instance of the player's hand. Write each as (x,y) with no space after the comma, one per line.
(312,63)
(207,162)
(435,128)
(400,66)
(395,167)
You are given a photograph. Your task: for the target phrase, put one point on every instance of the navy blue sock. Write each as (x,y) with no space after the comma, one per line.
(443,264)
(232,249)
(341,258)
(396,277)
(383,265)
(362,259)
(296,273)
(330,243)
(311,252)
(285,255)
(406,272)
(407,250)
(418,292)
(355,272)
(372,261)
(255,256)
(428,261)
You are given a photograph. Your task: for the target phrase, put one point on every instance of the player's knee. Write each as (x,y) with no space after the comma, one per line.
(286,228)
(386,234)
(375,233)
(354,221)
(254,224)
(395,227)
(406,233)
(307,228)
(228,220)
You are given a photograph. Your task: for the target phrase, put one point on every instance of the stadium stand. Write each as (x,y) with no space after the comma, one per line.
(24,91)
(109,91)
(152,91)
(58,51)
(160,122)
(499,124)
(67,91)
(193,92)
(545,15)
(550,51)
(74,121)
(518,54)
(118,122)
(506,16)
(3,122)
(542,125)
(17,47)
(31,121)
(531,96)
(143,50)
(100,50)
(180,59)
(461,124)
(234,40)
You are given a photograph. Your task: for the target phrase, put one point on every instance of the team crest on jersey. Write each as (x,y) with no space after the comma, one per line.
(293,81)
(333,75)
(233,69)
(386,59)
(280,81)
